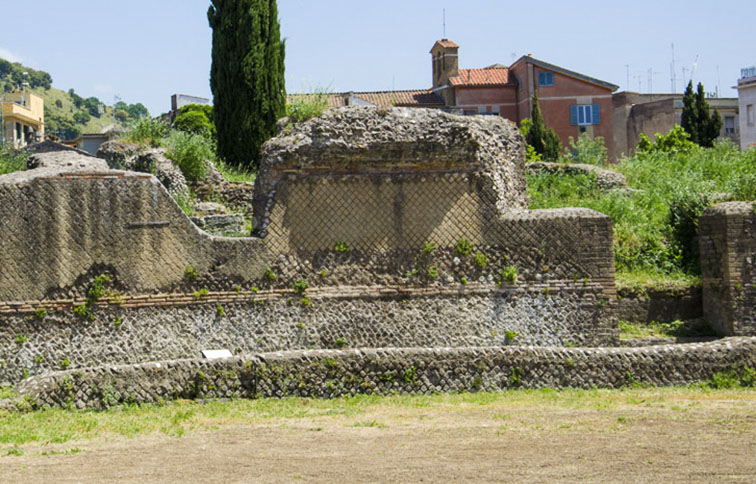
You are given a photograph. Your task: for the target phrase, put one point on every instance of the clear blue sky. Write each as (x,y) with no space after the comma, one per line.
(144,51)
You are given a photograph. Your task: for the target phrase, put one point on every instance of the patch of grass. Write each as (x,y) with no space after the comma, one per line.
(145,131)
(672,329)
(60,426)
(234,174)
(429,248)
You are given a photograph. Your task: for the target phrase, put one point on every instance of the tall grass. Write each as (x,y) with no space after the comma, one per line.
(146,131)
(654,231)
(302,107)
(191,152)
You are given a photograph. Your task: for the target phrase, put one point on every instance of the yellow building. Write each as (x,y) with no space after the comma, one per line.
(22,116)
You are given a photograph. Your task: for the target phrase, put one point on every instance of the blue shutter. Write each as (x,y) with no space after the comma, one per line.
(540,78)
(596,114)
(573,114)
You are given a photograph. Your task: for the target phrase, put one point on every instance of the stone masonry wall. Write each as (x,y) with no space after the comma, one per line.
(58,227)
(727,238)
(181,326)
(334,373)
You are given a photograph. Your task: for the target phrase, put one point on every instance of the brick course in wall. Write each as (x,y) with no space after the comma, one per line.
(727,238)
(335,373)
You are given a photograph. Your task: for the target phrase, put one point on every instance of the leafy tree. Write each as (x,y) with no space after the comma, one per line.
(697,120)
(137,111)
(81,117)
(195,118)
(246,77)
(542,138)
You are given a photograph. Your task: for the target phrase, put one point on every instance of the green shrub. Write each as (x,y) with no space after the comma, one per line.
(190,272)
(11,161)
(195,119)
(675,141)
(191,152)
(481,260)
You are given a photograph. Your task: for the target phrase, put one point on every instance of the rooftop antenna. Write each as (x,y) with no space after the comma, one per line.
(718,81)
(627,73)
(444,36)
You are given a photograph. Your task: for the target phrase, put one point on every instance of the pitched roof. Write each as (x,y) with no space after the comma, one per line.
(447,43)
(421,97)
(566,72)
(412,98)
(490,76)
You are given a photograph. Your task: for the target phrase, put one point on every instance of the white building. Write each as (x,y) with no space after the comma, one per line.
(747,99)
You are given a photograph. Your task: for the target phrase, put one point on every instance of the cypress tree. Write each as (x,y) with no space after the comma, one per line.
(246,77)
(542,138)
(702,125)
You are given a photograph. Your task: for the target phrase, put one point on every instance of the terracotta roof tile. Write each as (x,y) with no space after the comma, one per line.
(412,98)
(447,43)
(490,76)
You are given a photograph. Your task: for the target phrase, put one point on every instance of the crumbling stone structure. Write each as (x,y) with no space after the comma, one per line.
(375,228)
(727,239)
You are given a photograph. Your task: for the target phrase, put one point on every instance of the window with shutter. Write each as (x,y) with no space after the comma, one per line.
(545,78)
(585,114)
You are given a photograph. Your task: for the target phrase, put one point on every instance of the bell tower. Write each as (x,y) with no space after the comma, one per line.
(444,56)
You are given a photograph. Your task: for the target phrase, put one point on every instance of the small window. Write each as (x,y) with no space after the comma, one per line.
(545,78)
(729,125)
(585,114)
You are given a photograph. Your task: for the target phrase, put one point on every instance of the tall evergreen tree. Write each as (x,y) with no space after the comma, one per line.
(542,138)
(246,77)
(697,120)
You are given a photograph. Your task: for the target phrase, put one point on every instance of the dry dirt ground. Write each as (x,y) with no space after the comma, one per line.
(637,437)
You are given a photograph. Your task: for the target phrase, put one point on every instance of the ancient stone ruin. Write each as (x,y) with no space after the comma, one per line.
(374,228)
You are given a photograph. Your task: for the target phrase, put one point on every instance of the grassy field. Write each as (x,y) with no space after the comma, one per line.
(642,434)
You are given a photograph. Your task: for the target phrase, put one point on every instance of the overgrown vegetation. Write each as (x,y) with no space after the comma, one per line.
(302,107)
(11,161)
(541,138)
(654,230)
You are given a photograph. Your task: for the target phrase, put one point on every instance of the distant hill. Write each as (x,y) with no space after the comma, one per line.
(67,114)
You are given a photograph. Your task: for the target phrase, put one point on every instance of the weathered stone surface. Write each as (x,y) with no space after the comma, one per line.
(69,160)
(335,373)
(606,179)
(380,140)
(727,240)
(60,227)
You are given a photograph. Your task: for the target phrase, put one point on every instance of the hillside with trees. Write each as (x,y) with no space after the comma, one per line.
(67,114)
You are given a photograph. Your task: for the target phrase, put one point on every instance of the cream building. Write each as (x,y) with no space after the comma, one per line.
(747,100)
(22,117)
